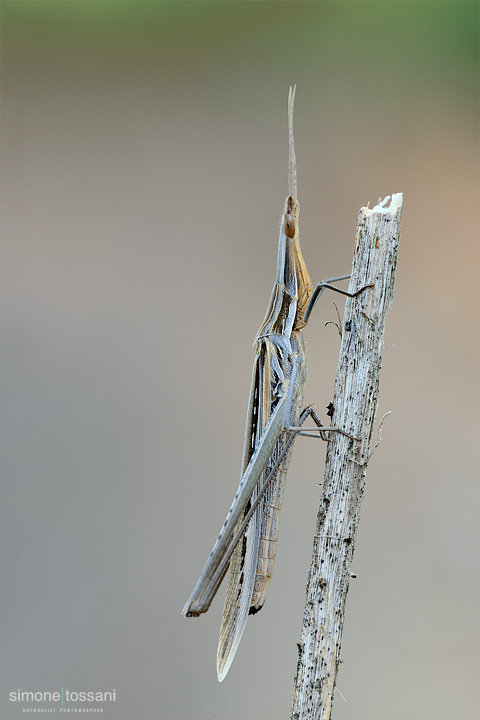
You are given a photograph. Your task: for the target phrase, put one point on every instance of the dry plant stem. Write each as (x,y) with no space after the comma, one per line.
(355,405)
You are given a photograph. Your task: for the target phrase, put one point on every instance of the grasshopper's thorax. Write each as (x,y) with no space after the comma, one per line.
(292,289)
(291,228)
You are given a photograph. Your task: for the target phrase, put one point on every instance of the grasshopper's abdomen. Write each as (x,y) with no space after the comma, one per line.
(272,505)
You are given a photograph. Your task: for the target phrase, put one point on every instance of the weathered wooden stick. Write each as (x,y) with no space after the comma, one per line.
(354,409)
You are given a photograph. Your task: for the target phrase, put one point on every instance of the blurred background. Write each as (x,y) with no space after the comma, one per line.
(144,164)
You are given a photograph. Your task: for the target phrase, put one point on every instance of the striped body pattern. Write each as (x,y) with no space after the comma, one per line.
(247,541)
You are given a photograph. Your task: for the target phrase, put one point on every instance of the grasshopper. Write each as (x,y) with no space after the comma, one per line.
(247,541)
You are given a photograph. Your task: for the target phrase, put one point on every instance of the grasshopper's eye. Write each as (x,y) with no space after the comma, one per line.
(289,225)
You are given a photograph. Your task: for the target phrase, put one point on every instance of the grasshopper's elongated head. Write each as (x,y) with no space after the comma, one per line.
(290,218)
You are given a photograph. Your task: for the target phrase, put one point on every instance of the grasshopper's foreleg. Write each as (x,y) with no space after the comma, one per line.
(326,285)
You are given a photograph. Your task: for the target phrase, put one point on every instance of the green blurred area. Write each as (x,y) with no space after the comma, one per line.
(442,35)
(389,53)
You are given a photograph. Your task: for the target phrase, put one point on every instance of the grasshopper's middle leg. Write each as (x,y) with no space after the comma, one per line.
(320,430)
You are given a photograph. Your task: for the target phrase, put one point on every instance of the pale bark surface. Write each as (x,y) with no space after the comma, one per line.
(355,405)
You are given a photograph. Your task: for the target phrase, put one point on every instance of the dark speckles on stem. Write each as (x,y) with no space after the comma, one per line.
(345,476)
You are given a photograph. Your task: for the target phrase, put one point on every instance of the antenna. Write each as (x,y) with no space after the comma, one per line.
(292,161)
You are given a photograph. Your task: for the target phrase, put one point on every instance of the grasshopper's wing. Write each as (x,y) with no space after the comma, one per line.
(243,563)
(241,580)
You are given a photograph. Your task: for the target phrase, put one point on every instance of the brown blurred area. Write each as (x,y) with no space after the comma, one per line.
(144,170)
